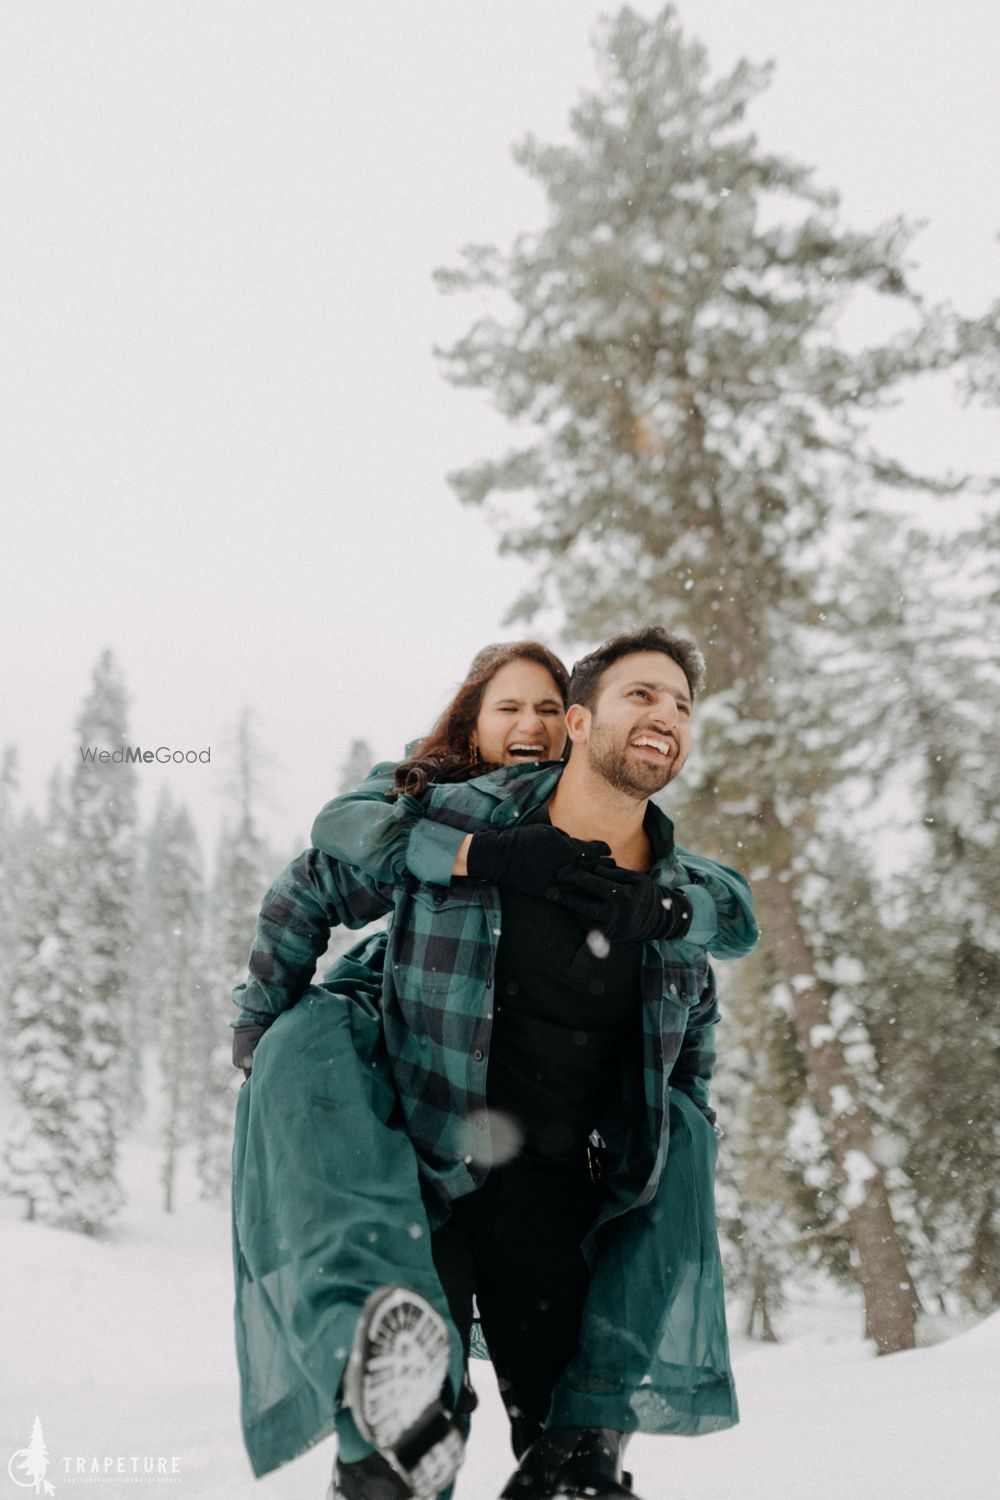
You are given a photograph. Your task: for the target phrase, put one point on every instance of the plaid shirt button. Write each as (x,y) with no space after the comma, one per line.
(478,1054)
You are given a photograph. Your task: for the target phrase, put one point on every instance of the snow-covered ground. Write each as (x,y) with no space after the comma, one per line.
(124,1348)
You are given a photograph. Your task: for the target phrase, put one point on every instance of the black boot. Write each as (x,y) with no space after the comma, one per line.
(594,1468)
(374,1478)
(539,1465)
(578,1463)
(394,1385)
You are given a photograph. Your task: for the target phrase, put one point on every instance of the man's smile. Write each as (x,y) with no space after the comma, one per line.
(664,747)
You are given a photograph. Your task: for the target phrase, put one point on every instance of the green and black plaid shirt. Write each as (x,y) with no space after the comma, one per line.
(437,993)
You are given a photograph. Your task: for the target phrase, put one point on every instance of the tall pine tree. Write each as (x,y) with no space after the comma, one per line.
(924,701)
(775,1204)
(11,862)
(42,1057)
(100,910)
(695,427)
(359,761)
(240,878)
(174,948)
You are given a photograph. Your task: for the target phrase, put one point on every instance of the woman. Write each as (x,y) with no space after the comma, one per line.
(322,1075)
(295,1308)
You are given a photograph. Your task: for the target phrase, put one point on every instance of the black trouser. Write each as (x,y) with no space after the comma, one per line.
(515,1245)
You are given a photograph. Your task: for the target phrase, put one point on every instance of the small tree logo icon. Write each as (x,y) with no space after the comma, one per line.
(33,1462)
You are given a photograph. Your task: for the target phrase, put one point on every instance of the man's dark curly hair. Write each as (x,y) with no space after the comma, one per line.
(585,679)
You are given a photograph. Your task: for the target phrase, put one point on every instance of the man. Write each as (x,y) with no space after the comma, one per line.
(517,1028)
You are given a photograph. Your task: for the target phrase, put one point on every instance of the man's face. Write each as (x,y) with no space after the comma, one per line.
(639,729)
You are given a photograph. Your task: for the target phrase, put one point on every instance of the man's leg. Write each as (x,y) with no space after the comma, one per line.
(534,1285)
(654,1351)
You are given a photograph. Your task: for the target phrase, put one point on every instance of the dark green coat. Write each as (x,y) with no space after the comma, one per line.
(327,1206)
(437,999)
(349,1135)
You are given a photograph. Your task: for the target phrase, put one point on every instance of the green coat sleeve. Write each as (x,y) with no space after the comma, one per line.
(389,839)
(723,917)
(311,895)
(692,1072)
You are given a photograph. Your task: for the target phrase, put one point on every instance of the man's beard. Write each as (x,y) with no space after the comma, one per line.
(636,778)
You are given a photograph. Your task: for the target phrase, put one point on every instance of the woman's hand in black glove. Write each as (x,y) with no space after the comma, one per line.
(626,905)
(531,857)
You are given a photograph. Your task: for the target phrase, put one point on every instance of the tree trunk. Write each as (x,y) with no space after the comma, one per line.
(758,1305)
(890,1297)
(879,1258)
(172,1126)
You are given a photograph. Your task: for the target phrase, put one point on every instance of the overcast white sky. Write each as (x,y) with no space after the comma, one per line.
(224,435)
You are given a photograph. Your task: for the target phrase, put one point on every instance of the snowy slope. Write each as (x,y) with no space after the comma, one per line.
(125,1348)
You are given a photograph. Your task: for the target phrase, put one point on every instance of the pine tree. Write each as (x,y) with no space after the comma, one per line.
(776,1186)
(359,761)
(926,695)
(697,429)
(11,863)
(101,869)
(973,840)
(175,906)
(238,886)
(40,1159)
(240,879)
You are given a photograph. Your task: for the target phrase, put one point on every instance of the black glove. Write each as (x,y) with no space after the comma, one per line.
(626,905)
(245,1039)
(529,858)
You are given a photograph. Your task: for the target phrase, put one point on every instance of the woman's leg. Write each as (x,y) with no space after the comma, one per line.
(326,1208)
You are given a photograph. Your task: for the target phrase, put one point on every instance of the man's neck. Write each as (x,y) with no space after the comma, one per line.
(587,807)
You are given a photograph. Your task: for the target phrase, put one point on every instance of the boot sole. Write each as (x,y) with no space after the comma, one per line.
(393,1385)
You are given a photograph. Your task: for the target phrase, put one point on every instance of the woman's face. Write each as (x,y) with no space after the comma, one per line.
(521,716)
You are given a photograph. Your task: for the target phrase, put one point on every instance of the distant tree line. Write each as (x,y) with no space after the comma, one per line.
(122,953)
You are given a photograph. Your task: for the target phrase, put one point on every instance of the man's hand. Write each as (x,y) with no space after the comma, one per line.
(626,905)
(530,858)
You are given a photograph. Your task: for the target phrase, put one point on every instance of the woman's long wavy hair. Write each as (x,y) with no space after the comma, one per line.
(447,754)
